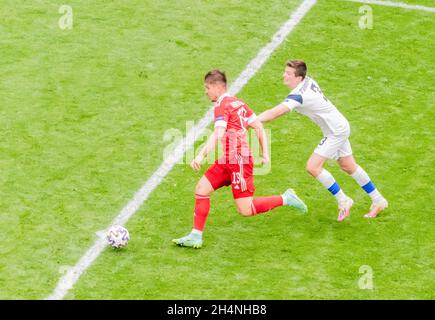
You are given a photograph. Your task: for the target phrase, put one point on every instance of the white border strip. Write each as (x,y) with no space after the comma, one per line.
(396,4)
(73,274)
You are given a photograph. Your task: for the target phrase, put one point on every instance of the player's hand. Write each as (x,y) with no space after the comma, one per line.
(196,163)
(265,159)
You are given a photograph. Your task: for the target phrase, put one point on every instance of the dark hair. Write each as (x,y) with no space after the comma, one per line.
(299,66)
(214,76)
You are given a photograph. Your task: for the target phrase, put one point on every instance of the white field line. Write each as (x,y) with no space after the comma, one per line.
(68,280)
(396,4)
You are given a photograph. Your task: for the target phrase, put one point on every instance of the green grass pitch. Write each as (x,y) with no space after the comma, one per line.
(83,116)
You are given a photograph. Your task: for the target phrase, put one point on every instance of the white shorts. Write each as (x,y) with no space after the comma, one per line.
(334,147)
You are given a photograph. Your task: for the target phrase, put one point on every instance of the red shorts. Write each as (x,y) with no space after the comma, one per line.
(225,174)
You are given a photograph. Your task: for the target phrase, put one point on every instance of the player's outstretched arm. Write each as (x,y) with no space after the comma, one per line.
(257,126)
(273,113)
(209,146)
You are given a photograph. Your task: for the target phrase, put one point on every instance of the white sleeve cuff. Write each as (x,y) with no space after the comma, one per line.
(291,104)
(220,123)
(252,118)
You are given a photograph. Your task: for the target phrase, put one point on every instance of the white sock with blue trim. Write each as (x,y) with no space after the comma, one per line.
(364,181)
(326,178)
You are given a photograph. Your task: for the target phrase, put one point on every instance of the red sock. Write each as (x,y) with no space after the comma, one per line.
(264,204)
(202,207)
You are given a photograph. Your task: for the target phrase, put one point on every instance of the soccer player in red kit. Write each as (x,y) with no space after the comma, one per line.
(232,118)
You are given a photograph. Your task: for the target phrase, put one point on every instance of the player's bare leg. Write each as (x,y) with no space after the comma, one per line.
(315,164)
(244,206)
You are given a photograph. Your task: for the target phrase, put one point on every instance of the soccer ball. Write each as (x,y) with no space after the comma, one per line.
(117,236)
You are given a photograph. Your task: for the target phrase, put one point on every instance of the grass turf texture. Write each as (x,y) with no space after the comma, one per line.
(82,132)
(84,112)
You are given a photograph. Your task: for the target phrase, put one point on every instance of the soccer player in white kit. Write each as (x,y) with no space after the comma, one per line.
(307,98)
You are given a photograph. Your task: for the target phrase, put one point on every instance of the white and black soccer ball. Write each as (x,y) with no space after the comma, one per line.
(117,236)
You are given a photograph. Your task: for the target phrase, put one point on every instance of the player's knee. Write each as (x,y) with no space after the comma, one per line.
(245,212)
(348,168)
(312,170)
(199,189)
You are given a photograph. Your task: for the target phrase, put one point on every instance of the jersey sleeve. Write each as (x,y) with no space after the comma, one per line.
(293,100)
(250,115)
(220,116)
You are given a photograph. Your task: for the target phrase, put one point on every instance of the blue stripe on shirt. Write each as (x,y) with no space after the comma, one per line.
(296,97)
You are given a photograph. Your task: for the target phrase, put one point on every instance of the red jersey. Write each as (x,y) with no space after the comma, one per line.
(234,115)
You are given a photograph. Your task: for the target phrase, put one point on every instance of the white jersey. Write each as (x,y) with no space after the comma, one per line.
(308,99)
